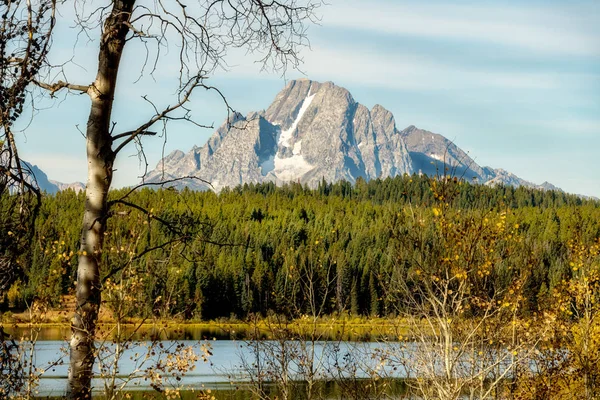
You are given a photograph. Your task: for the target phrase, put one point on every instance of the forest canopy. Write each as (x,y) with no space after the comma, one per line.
(203,255)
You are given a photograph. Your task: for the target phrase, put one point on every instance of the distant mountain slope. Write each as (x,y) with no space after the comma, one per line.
(314,131)
(432,154)
(48,185)
(311,131)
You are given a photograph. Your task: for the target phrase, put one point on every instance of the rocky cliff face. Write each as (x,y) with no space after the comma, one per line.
(503,177)
(311,131)
(314,131)
(434,155)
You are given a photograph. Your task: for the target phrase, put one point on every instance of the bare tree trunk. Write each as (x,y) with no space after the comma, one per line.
(100,158)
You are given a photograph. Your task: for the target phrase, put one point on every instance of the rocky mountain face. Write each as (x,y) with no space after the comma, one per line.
(433,154)
(311,131)
(314,131)
(76,186)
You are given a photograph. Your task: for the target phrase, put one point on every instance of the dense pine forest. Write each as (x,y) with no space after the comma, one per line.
(258,249)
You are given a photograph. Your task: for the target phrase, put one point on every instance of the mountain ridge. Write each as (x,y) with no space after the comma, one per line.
(313,131)
(45,184)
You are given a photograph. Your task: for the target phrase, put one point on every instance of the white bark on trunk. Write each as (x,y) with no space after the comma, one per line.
(100,158)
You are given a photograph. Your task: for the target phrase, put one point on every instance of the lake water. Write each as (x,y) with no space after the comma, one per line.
(228,363)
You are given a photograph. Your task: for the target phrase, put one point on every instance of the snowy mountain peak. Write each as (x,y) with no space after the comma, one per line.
(313,131)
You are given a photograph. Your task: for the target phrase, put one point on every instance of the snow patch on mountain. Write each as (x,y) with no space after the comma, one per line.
(316,131)
(291,168)
(285,136)
(436,157)
(297,147)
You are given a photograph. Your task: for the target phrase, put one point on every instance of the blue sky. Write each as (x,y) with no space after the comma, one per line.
(514,83)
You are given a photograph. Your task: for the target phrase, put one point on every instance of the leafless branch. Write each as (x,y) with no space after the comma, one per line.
(25,37)
(55,87)
(149,214)
(193,84)
(162,183)
(138,256)
(130,133)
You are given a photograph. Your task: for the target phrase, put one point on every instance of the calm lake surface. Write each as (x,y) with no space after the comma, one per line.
(229,363)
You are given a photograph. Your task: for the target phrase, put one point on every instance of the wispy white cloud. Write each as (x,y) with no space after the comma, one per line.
(543,30)
(407,72)
(512,114)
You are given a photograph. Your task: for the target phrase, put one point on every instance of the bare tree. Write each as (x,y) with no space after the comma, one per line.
(459,301)
(200,33)
(11,368)
(25,38)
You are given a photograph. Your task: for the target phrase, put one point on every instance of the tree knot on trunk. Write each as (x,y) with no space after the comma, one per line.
(99,95)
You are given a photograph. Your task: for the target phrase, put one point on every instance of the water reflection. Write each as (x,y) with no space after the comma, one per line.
(225,331)
(143,332)
(232,364)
